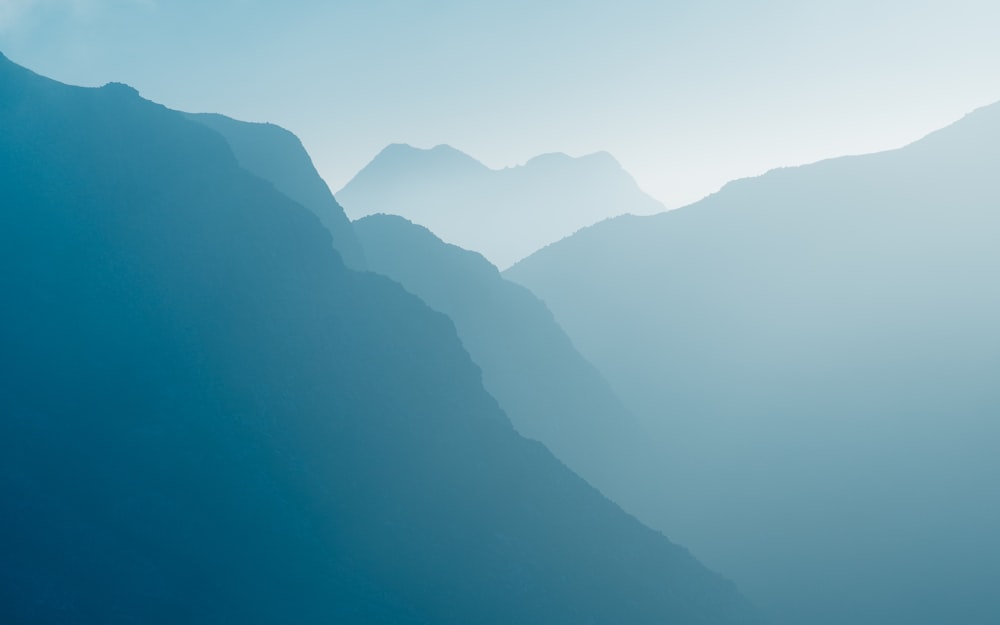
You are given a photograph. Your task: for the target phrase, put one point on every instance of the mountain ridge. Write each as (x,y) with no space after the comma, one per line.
(549,392)
(276,155)
(208,417)
(809,338)
(503,214)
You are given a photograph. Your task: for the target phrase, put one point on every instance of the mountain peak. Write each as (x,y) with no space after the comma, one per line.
(410,152)
(825,295)
(121,88)
(405,160)
(504,214)
(397,149)
(597,160)
(549,157)
(444,148)
(200,321)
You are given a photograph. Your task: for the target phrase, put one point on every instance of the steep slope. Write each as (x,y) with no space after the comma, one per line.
(503,214)
(819,350)
(277,156)
(206,418)
(549,391)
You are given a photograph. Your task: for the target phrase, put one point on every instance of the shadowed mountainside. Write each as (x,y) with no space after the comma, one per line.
(503,214)
(277,156)
(207,418)
(548,390)
(818,350)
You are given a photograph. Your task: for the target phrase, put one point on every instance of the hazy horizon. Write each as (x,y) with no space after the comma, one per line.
(686,97)
(497,395)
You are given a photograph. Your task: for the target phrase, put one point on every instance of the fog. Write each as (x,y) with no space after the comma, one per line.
(815,353)
(495,380)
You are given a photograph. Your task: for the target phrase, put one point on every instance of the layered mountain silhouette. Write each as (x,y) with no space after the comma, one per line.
(503,214)
(818,348)
(550,392)
(277,156)
(205,417)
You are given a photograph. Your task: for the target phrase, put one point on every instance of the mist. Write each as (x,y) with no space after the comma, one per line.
(397,313)
(815,354)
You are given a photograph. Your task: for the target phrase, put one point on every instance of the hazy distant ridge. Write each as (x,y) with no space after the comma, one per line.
(550,392)
(205,417)
(503,214)
(819,351)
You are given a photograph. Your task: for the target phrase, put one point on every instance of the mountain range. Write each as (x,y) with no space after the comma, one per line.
(504,214)
(816,352)
(546,388)
(206,416)
(277,156)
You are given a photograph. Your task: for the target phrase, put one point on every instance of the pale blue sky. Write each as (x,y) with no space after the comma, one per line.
(687,95)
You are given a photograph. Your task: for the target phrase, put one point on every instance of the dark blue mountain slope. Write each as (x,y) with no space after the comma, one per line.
(206,418)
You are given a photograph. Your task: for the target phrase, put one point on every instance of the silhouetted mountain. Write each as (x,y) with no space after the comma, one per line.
(277,156)
(548,390)
(206,418)
(819,350)
(503,214)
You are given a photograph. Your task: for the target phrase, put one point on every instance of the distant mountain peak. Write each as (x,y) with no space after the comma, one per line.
(601,158)
(404,160)
(121,88)
(504,214)
(554,157)
(844,309)
(445,148)
(175,326)
(407,151)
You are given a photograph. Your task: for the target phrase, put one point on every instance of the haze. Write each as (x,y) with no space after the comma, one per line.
(686,95)
(381,313)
